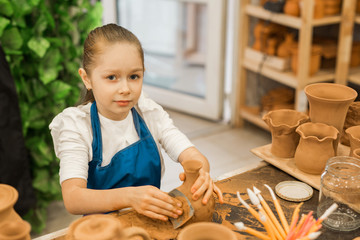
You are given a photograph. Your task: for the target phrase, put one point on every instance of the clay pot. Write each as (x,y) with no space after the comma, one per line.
(105,227)
(292,8)
(352,119)
(356,153)
(354,138)
(329,103)
(8,198)
(282,124)
(319,9)
(316,146)
(15,230)
(315,59)
(271,46)
(208,230)
(284,49)
(202,213)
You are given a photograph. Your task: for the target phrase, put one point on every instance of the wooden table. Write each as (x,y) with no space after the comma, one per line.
(232,211)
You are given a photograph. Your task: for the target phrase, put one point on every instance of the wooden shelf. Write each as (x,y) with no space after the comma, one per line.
(287,20)
(248,114)
(288,78)
(354,76)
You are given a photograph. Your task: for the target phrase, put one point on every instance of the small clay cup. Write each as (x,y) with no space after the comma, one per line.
(282,124)
(206,230)
(354,138)
(15,230)
(105,227)
(356,153)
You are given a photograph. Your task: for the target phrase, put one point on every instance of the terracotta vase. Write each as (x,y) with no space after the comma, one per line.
(315,59)
(15,230)
(284,49)
(356,153)
(329,103)
(206,230)
(105,227)
(8,198)
(354,138)
(316,146)
(202,213)
(282,124)
(292,8)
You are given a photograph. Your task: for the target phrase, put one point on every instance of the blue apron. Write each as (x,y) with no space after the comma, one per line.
(136,165)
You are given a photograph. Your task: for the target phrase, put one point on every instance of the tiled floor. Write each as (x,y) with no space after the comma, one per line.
(226,148)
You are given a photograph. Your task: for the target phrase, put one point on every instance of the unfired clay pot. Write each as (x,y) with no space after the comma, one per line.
(319,9)
(8,198)
(15,230)
(332,7)
(205,231)
(315,59)
(282,124)
(316,146)
(329,103)
(202,213)
(292,8)
(105,227)
(284,49)
(356,153)
(354,138)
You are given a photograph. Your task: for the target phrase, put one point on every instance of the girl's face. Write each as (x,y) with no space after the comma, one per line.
(116,79)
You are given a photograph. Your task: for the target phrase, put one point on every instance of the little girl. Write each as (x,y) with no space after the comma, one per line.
(109,146)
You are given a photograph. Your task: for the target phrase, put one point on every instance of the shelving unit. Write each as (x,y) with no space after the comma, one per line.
(304,25)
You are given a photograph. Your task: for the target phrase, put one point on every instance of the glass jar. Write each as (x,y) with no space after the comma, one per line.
(340,183)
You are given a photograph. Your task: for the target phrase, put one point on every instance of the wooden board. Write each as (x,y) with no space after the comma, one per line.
(288,164)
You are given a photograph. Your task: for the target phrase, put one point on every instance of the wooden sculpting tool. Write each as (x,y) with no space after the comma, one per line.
(267,226)
(311,236)
(254,200)
(279,210)
(241,227)
(269,212)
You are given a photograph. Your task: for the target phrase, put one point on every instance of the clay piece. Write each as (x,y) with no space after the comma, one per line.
(206,230)
(354,138)
(356,153)
(277,98)
(8,198)
(315,59)
(316,146)
(292,7)
(282,124)
(15,230)
(202,213)
(105,227)
(352,119)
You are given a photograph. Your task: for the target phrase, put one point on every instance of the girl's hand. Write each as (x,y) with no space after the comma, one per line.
(154,203)
(204,185)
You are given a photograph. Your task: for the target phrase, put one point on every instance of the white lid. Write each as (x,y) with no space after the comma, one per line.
(294,191)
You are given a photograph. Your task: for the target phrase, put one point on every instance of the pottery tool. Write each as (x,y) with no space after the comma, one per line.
(254,200)
(188,210)
(311,236)
(267,226)
(269,212)
(279,210)
(240,226)
(325,215)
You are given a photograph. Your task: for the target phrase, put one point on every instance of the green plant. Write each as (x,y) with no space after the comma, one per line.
(43,40)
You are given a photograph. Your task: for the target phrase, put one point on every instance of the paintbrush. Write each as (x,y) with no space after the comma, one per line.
(240,226)
(254,200)
(279,209)
(269,212)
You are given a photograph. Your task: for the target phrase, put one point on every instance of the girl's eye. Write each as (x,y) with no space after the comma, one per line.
(134,77)
(111,77)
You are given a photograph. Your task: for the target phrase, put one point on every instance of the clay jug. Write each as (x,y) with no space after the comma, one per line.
(15,230)
(316,146)
(8,198)
(356,153)
(202,213)
(329,103)
(284,49)
(354,138)
(292,8)
(206,230)
(282,124)
(315,59)
(105,227)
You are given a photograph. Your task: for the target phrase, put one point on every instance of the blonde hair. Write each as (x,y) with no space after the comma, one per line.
(110,33)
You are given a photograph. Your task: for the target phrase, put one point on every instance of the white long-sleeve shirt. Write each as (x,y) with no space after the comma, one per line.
(72,136)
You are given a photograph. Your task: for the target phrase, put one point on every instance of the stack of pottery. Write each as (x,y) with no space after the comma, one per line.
(293,8)
(354,138)
(12,227)
(315,59)
(332,7)
(105,227)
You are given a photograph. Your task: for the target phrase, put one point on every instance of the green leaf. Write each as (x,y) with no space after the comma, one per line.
(39,45)
(11,39)
(60,90)
(6,8)
(3,23)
